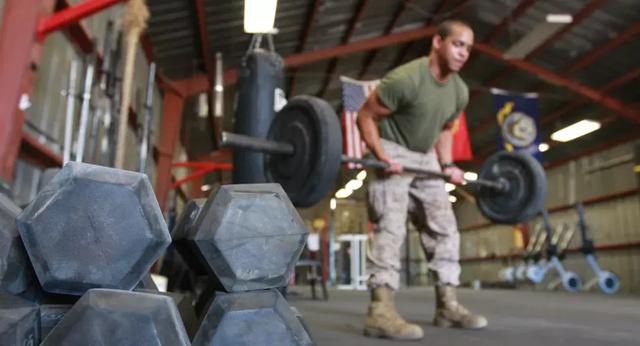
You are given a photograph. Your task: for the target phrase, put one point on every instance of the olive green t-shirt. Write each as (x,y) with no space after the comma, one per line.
(420,105)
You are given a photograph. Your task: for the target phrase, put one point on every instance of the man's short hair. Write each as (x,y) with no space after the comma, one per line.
(445,28)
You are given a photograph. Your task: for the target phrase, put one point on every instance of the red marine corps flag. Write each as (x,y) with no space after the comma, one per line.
(355,92)
(461,147)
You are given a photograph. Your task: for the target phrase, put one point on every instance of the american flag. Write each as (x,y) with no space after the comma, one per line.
(354,93)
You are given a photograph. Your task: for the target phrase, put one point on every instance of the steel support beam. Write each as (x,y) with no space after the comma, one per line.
(347,37)
(404,50)
(19,55)
(517,12)
(71,15)
(311,19)
(392,24)
(192,85)
(359,46)
(204,37)
(585,91)
(600,50)
(581,15)
(198,82)
(607,88)
(584,61)
(172,106)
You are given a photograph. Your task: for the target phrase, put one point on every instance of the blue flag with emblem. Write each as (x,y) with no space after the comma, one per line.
(517,119)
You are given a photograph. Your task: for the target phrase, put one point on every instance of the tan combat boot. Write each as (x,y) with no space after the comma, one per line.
(383,321)
(450,313)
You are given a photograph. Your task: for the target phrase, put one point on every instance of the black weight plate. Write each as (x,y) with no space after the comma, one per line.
(526,193)
(312,126)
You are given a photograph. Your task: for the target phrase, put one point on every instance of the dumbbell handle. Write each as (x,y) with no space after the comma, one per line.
(235,140)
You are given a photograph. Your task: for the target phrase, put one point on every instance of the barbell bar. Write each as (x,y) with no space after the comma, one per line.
(234,140)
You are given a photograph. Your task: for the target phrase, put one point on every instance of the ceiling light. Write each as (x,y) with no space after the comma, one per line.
(449,187)
(343,193)
(205,188)
(576,130)
(542,147)
(259,16)
(362,175)
(532,40)
(470,176)
(452,199)
(559,18)
(354,184)
(333,203)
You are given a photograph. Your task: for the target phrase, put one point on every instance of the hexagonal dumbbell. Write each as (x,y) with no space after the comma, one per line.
(180,236)
(114,317)
(16,274)
(251,318)
(19,321)
(50,316)
(93,226)
(248,235)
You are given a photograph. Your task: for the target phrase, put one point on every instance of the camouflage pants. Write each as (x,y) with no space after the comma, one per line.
(391,199)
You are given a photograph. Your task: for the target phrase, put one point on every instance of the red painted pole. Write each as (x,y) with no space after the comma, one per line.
(18,52)
(71,15)
(169,133)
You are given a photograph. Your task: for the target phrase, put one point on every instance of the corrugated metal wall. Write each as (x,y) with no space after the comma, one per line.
(610,222)
(45,118)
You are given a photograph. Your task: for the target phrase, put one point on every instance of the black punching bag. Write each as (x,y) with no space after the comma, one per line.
(260,94)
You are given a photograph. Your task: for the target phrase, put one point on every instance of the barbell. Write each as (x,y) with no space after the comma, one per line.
(304,151)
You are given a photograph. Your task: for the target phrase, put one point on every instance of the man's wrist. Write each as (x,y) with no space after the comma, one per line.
(448,164)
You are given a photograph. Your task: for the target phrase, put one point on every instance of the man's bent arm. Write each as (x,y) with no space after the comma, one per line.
(444,144)
(368,116)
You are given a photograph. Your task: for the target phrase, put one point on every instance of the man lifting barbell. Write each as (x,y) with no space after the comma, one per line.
(304,153)
(407,120)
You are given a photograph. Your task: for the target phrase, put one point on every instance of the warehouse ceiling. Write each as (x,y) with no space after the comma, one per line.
(586,69)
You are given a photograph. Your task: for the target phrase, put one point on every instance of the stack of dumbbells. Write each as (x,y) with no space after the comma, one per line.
(74,264)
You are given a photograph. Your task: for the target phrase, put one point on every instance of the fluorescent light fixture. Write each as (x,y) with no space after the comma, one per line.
(353,184)
(559,18)
(362,175)
(343,193)
(452,199)
(542,147)
(259,16)
(532,40)
(205,188)
(333,203)
(449,187)
(576,130)
(470,176)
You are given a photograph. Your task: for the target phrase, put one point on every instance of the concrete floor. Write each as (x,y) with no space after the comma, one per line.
(516,317)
